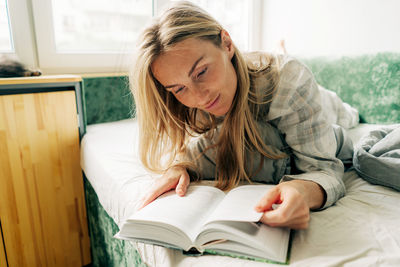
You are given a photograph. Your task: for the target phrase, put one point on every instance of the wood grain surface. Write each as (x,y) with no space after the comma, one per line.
(42,206)
(41,79)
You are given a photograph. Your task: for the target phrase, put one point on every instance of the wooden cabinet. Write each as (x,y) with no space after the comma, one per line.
(42,204)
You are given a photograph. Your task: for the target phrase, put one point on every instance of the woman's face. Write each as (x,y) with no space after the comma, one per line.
(199,74)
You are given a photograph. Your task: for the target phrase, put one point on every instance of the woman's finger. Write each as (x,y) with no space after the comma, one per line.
(270,198)
(183,183)
(162,185)
(150,196)
(175,177)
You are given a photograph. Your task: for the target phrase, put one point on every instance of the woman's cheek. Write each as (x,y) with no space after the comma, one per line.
(186,101)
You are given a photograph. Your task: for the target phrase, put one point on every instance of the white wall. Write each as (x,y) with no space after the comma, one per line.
(331,27)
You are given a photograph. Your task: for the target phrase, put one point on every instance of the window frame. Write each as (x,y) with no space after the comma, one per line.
(34,42)
(19,12)
(52,62)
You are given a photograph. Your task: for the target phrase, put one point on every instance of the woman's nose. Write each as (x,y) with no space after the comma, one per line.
(202,95)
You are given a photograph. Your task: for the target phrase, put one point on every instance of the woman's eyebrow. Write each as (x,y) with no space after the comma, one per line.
(194,65)
(190,72)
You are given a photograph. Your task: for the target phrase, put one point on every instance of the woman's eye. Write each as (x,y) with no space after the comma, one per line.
(201,72)
(179,89)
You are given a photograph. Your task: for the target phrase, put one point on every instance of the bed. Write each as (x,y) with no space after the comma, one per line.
(361,229)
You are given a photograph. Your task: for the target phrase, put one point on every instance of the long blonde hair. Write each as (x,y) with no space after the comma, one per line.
(165,124)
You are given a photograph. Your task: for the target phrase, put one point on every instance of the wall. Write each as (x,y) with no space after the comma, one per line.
(331,27)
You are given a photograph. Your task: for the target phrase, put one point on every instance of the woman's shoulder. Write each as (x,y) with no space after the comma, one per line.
(291,68)
(266,68)
(281,79)
(261,60)
(279,69)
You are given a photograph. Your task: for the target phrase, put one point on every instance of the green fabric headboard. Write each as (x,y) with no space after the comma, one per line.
(370,83)
(107,99)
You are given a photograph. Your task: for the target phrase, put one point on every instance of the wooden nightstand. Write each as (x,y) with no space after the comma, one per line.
(42,204)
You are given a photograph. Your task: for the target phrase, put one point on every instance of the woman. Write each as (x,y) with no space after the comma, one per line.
(205,109)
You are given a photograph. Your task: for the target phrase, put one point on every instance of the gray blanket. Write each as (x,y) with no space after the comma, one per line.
(377,157)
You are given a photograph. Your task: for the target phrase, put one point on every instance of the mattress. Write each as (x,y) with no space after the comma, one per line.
(361,229)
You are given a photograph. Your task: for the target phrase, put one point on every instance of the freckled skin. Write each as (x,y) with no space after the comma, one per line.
(212,84)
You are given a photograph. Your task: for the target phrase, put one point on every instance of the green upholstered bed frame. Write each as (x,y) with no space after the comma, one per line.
(371,83)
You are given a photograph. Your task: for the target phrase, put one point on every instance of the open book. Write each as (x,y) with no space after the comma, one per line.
(208,220)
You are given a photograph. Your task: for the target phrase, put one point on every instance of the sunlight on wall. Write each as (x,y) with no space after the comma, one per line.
(334,28)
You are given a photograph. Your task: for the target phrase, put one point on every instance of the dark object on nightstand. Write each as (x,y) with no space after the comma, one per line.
(13,68)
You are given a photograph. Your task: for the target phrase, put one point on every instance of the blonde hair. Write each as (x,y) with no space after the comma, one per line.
(165,124)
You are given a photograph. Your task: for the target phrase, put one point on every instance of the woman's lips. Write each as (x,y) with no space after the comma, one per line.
(213,103)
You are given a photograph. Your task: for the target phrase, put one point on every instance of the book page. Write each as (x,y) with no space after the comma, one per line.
(239,203)
(249,239)
(187,213)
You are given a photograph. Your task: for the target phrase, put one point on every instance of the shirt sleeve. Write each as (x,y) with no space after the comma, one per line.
(297,112)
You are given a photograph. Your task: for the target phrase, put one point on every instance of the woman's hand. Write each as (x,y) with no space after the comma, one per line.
(175,177)
(296,198)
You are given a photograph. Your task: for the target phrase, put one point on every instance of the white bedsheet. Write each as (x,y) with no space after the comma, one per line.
(361,229)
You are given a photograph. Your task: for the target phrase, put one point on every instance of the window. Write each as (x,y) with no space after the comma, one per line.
(75,36)
(241,19)
(97,26)
(87,36)
(6,45)
(236,25)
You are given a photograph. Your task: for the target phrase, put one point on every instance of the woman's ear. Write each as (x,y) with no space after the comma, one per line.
(227,43)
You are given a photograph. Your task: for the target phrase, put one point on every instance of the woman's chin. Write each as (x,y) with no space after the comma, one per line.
(218,113)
